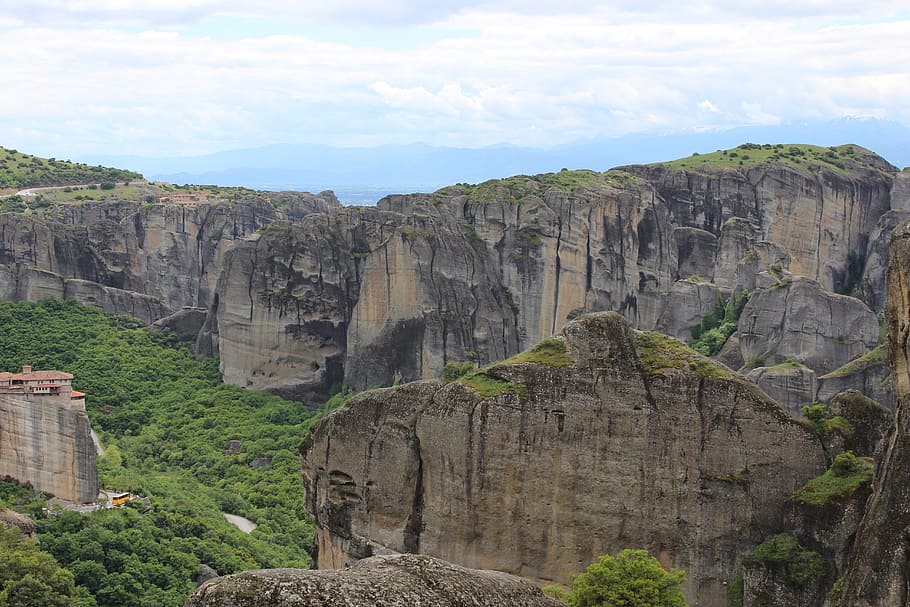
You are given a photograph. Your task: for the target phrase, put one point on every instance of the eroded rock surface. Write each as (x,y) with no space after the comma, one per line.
(878,574)
(799,320)
(389,581)
(636,442)
(143,260)
(49,446)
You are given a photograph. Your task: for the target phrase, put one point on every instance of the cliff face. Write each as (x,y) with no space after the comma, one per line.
(628,440)
(49,446)
(878,574)
(145,261)
(482,272)
(364,295)
(818,215)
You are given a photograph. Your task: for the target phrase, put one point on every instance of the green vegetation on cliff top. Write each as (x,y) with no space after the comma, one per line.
(517,189)
(802,156)
(550,352)
(18,170)
(876,357)
(847,474)
(165,420)
(660,353)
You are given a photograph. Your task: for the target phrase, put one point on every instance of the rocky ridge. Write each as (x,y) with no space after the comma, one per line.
(596,441)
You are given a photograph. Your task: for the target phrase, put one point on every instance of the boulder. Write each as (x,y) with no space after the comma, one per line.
(797,319)
(688,302)
(402,580)
(791,384)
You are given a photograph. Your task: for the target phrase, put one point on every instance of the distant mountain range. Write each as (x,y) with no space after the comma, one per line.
(363,175)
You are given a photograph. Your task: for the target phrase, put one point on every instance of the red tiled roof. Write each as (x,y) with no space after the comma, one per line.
(38,375)
(77,394)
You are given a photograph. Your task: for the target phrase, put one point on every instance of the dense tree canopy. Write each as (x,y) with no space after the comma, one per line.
(165,419)
(630,579)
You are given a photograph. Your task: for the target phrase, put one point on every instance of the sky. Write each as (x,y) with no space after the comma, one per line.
(186,77)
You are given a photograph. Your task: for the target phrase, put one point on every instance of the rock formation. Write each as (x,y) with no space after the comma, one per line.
(878,574)
(798,320)
(481,272)
(145,261)
(537,465)
(390,581)
(361,296)
(49,446)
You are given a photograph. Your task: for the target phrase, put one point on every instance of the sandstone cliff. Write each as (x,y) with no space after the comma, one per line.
(127,258)
(481,272)
(537,465)
(392,581)
(363,295)
(49,446)
(878,574)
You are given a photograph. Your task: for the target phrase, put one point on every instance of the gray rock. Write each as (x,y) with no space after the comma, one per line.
(185,323)
(869,374)
(877,575)
(752,269)
(403,580)
(799,320)
(49,446)
(870,421)
(11,518)
(875,273)
(791,384)
(639,442)
(686,305)
(730,354)
(696,250)
(205,574)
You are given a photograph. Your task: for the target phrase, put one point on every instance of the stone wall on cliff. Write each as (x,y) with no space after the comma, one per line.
(49,446)
(630,440)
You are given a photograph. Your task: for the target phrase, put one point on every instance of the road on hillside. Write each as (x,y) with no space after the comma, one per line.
(32,191)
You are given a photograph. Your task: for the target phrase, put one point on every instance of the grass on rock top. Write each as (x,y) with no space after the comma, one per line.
(838,158)
(875,357)
(551,352)
(18,170)
(660,353)
(519,188)
(847,474)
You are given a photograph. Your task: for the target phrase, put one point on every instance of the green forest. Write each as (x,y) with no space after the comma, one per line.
(18,170)
(164,419)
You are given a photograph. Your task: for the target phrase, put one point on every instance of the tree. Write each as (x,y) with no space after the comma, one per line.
(630,579)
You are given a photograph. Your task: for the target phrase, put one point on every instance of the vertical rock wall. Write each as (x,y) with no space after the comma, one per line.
(631,445)
(49,446)
(879,575)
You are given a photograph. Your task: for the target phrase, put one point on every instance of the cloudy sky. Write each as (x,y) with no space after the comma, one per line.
(180,77)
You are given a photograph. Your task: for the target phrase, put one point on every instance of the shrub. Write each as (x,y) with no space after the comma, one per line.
(453,370)
(631,578)
(784,550)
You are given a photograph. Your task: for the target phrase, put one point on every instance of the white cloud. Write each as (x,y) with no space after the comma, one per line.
(483,73)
